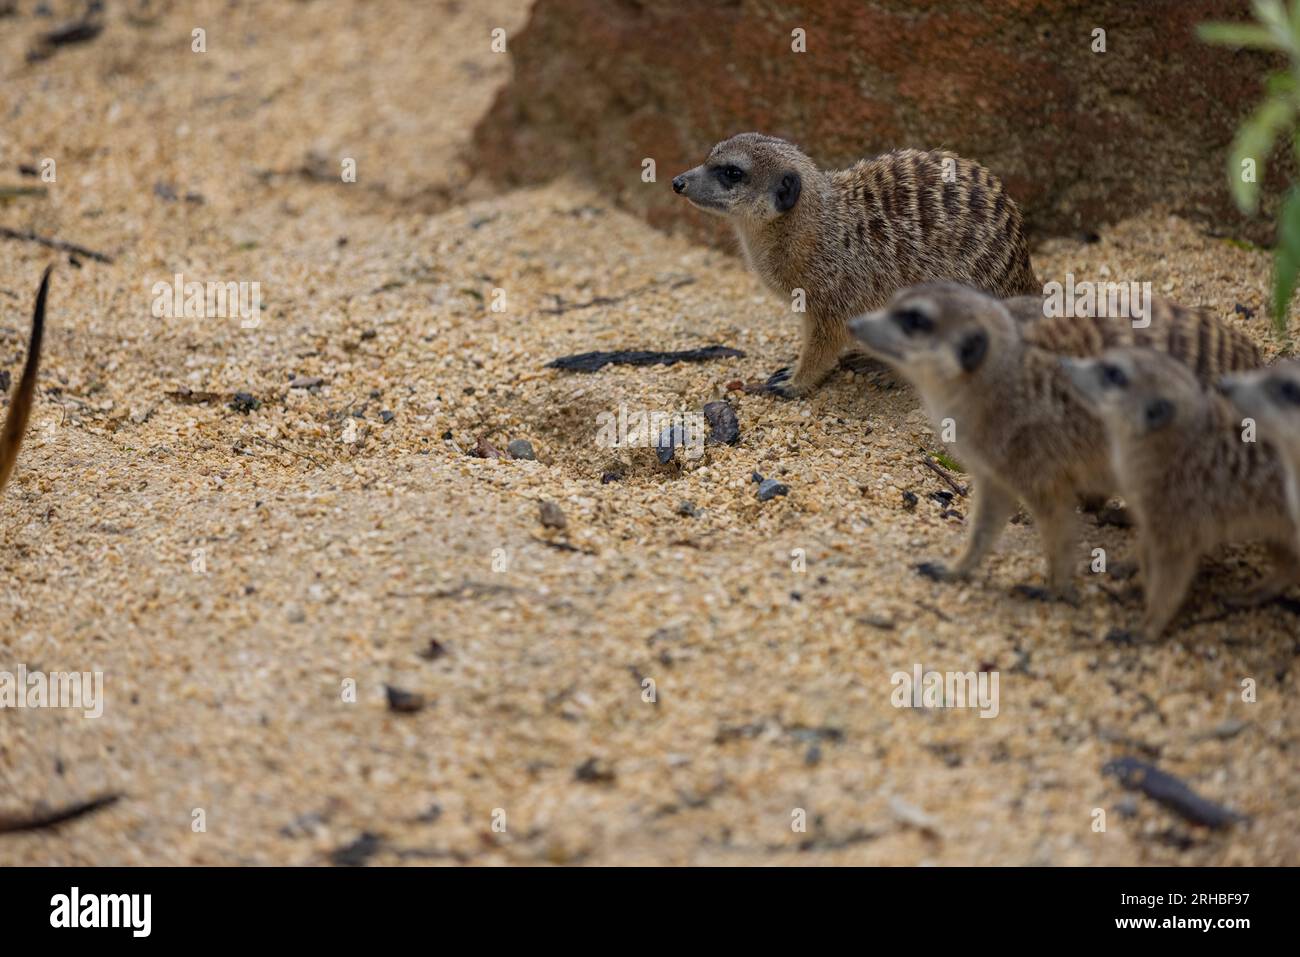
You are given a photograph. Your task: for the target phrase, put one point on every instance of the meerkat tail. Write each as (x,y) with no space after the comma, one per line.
(20,406)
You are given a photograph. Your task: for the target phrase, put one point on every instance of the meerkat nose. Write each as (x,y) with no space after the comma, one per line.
(679,184)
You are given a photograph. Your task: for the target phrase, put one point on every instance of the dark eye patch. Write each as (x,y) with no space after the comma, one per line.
(1158,413)
(1112,375)
(913,321)
(729,175)
(1288,390)
(974,346)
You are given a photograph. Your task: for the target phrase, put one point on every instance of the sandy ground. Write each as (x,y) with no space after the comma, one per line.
(232,573)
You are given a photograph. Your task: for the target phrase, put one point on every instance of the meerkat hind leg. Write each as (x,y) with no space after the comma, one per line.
(1166,576)
(1057,528)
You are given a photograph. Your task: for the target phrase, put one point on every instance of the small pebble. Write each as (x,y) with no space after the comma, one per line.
(403,702)
(521,449)
(486,450)
(668,442)
(244,402)
(769,489)
(552,515)
(724,428)
(594,771)
(434,650)
(357,853)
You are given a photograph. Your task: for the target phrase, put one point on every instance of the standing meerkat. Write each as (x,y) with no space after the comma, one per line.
(992,378)
(20,406)
(1177,450)
(851,238)
(1272,398)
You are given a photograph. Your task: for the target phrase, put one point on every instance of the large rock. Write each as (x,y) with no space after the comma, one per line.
(1080,138)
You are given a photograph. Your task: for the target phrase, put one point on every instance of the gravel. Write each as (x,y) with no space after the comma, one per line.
(128,544)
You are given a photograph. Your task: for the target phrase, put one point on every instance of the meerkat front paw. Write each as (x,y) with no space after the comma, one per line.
(937,571)
(793,388)
(780,384)
(1067,594)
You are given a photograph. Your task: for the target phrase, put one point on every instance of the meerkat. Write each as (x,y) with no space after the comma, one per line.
(1271,398)
(20,406)
(992,379)
(1177,450)
(850,238)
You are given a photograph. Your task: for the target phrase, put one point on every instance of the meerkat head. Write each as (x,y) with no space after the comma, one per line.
(1271,397)
(1137,392)
(938,335)
(749,177)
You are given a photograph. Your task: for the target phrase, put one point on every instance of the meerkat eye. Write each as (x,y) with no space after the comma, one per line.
(912,321)
(1289,390)
(1158,412)
(733,174)
(1113,375)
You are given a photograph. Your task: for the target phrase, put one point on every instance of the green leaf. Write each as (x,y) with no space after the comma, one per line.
(1286,262)
(1240,35)
(1273,15)
(1280,84)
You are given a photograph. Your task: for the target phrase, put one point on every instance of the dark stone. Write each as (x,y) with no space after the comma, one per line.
(724,428)
(403,702)
(521,449)
(552,515)
(358,852)
(769,489)
(594,771)
(244,402)
(434,650)
(668,442)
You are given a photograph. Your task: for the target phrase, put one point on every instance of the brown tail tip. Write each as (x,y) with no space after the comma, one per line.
(20,407)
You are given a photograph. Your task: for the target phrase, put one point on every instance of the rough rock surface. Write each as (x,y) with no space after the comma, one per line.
(1080,138)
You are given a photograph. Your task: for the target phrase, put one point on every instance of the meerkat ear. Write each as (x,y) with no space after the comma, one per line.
(1158,413)
(974,346)
(787,192)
